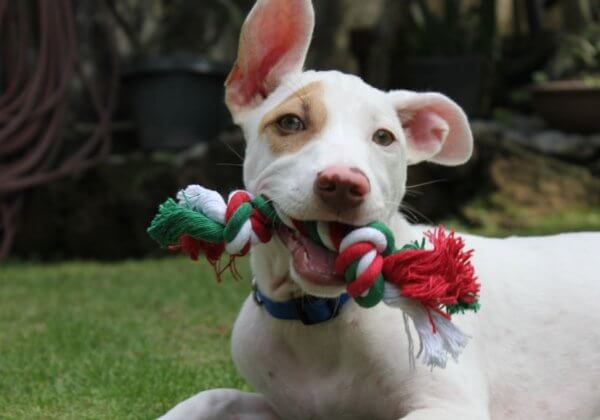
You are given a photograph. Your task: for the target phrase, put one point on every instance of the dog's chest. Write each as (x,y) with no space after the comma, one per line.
(338,369)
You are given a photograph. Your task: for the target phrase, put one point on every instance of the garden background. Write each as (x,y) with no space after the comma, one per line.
(108,107)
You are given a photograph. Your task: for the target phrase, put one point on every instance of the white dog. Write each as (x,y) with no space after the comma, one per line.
(326,146)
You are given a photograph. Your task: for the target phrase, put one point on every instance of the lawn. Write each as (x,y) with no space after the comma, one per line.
(125,340)
(129,340)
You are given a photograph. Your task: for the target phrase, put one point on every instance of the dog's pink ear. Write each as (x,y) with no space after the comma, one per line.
(436,128)
(274,41)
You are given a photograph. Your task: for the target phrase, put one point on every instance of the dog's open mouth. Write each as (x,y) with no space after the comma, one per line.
(312,262)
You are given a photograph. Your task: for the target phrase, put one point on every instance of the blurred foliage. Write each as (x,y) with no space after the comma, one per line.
(153,27)
(502,219)
(460,28)
(577,57)
(211,21)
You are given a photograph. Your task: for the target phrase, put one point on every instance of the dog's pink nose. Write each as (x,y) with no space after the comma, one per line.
(342,187)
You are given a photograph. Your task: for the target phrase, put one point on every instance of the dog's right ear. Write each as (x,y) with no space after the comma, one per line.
(273,43)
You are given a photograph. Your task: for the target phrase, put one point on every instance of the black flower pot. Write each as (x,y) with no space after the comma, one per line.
(460,78)
(176,101)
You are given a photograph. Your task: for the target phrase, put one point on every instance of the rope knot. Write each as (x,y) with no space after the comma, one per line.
(240,223)
(360,260)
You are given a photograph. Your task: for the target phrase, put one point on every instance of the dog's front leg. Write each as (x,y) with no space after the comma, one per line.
(222,404)
(448,413)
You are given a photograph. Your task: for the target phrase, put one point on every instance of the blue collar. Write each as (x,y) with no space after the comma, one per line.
(309,310)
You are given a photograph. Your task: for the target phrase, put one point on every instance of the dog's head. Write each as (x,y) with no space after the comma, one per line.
(325,145)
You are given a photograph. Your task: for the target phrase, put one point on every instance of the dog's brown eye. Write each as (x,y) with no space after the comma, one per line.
(383,137)
(290,124)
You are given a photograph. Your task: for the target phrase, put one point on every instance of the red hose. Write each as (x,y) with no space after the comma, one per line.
(35,102)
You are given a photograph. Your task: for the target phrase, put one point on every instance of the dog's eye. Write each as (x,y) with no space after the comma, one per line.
(290,124)
(383,137)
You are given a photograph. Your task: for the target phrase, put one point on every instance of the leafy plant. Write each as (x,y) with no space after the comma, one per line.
(456,30)
(577,57)
(151,27)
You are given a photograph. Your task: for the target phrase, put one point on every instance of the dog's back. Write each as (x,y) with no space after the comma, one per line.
(538,332)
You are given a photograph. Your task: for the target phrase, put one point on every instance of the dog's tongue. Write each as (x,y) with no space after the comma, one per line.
(311,261)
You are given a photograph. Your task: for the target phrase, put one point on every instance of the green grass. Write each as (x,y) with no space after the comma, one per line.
(125,340)
(130,340)
(523,224)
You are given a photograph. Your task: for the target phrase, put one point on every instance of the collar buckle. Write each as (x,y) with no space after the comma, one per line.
(303,313)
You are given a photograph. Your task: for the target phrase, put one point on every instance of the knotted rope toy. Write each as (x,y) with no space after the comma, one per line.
(428,285)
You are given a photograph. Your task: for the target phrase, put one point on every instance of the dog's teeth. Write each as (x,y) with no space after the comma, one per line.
(306,255)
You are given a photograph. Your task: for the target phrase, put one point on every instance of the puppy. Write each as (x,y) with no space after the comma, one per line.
(326,146)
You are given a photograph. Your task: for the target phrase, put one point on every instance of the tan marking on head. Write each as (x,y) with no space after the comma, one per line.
(306,103)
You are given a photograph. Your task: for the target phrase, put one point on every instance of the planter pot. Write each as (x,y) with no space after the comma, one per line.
(460,78)
(569,105)
(176,101)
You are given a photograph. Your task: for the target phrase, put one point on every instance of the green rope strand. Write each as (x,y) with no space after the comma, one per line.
(174,220)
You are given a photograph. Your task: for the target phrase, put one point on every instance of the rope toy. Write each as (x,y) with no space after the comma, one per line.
(428,285)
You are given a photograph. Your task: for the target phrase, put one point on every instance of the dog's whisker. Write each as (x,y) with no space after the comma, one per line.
(423,184)
(413,211)
(409,215)
(235,152)
(414,193)
(230,164)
